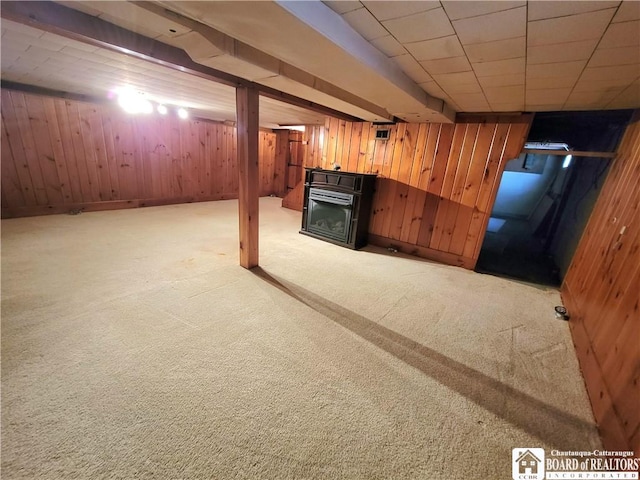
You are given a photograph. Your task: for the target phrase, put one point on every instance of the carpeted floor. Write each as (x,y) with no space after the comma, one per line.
(134,346)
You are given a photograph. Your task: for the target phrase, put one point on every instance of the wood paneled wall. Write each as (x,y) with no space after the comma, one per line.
(304,149)
(60,155)
(437,182)
(602,293)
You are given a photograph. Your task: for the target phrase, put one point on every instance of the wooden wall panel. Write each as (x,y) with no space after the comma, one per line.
(281,161)
(268,168)
(602,292)
(60,155)
(303,149)
(436,182)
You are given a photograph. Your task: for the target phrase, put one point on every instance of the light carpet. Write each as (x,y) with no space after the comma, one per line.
(134,346)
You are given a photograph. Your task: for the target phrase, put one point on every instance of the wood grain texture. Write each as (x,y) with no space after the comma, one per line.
(248,168)
(60,155)
(602,293)
(301,149)
(436,182)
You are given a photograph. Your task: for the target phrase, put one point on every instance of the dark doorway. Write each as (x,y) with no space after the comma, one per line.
(544,201)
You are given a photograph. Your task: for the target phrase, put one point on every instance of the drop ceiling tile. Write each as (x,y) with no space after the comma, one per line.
(478,107)
(599,98)
(24,41)
(449,79)
(16,46)
(471,98)
(446,65)
(622,72)
(575,106)
(629,98)
(568,69)
(624,34)
(53,39)
(563,52)
(27,63)
(343,6)
(474,107)
(26,30)
(547,95)
(615,56)
(455,89)
(543,10)
(507,107)
(365,24)
(587,85)
(513,93)
(82,54)
(387,10)
(551,82)
(497,50)
(584,26)
(389,46)
(465,9)
(421,26)
(628,10)
(502,80)
(444,47)
(412,68)
(108,54)
(8,57)
(495,26)
(499,67)
(552,107)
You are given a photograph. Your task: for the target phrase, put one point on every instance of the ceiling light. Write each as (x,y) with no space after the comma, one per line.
(299,128)
(182,113)
(134,102)
(162,110)
(567,161)
(546,145)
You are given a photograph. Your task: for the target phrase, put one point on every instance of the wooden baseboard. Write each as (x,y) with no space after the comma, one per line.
(423,252)
(32,211)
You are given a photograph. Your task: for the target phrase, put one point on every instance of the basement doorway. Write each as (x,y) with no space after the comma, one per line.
(544,201)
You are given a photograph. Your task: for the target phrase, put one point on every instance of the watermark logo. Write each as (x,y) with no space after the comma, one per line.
(532,464)
(528,463)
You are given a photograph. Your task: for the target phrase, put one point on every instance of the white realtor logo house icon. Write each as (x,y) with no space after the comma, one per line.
(528,463)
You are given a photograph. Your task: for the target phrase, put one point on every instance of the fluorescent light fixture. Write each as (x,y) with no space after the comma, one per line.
(162,110)
(567,161)
(182,113)
(546,146)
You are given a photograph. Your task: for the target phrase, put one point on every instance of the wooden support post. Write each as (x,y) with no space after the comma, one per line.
(249,193)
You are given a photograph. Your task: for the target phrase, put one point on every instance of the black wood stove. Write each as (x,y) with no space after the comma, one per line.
(337,206)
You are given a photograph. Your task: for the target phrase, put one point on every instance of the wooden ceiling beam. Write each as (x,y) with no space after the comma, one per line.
(574,153)
(86,28)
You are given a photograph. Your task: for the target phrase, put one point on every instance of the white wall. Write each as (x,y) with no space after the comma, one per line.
(519,193)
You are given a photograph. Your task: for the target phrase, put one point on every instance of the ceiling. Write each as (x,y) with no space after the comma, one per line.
(413,60)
